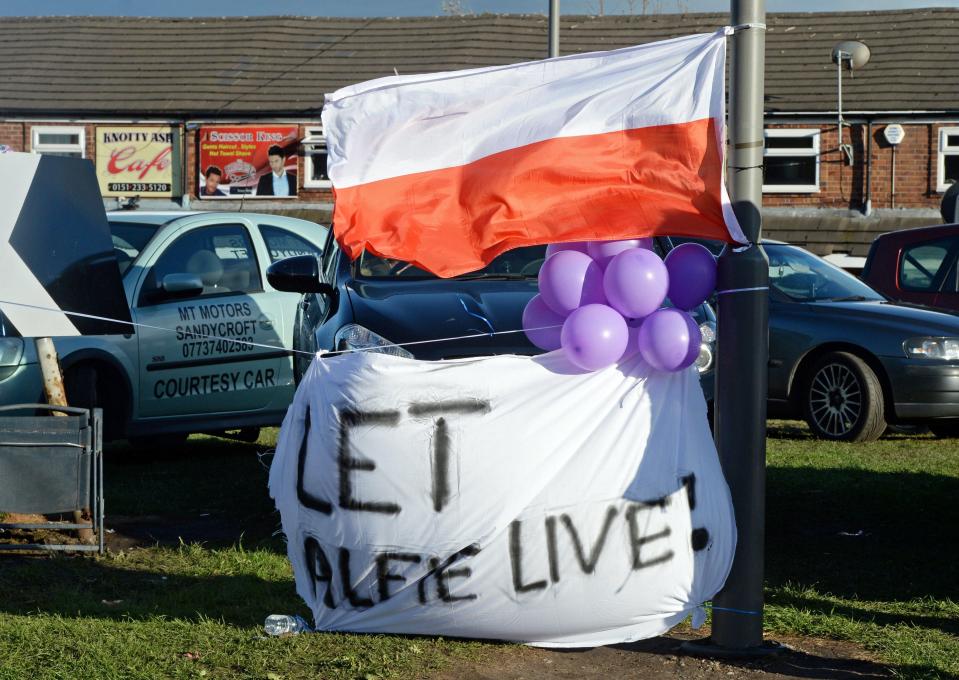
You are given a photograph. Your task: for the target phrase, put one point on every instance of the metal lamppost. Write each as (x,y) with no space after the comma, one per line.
(553,28)
(743,351)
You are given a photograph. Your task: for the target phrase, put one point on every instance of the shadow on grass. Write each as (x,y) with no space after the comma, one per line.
(854,533)
(78,587)
(206,490)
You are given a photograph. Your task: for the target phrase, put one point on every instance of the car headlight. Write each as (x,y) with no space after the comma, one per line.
(355,337)
(11,351)
(704,361)
(932,348)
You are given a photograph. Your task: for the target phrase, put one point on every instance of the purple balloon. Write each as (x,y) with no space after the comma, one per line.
(568,280)
(595,336)
(692,275)
(604,251)
(553,248)
(636,282)
(548,324)
(669,339)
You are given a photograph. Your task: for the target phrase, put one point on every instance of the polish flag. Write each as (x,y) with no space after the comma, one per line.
(448,170)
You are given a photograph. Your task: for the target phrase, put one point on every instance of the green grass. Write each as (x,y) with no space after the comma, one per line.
(187,610)
(862,546)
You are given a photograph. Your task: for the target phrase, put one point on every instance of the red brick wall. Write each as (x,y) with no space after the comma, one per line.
(840,185)
(844,186)
(18,136)
(11,134)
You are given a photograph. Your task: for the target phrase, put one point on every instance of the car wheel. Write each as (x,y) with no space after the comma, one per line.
(843,399)
(945,429)
(88,388)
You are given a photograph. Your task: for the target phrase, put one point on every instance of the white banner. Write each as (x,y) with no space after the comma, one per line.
(507,497)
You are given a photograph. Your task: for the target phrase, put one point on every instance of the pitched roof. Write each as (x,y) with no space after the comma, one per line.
(283,65)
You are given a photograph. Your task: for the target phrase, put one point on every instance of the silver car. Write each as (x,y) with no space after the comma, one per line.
(212,353)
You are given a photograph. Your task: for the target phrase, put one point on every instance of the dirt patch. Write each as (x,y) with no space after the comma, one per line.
(125,532)
(662,658)
(46,536)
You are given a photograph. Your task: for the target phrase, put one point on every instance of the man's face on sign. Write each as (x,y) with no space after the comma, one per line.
(212,182)
(276,164)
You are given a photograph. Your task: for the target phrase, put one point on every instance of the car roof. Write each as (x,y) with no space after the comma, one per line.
(157,217)
(908,234)
(163,217)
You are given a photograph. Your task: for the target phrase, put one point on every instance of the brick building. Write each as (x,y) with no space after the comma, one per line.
(63,80)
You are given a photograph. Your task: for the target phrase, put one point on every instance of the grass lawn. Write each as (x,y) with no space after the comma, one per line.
(861,546)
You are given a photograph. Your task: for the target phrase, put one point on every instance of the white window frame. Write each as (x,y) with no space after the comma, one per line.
(815,133)
(944,150)
(314,140)
(38,147)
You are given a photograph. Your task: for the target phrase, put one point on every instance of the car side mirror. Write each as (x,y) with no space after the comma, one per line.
(300,274)
(179,286)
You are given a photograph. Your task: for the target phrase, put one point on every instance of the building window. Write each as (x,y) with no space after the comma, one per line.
(314,160)
(791,161)
(59,141)
(948,157)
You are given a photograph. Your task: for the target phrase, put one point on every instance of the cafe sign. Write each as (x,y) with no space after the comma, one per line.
(138,161)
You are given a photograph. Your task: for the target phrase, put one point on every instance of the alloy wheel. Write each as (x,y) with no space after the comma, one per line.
(835,399)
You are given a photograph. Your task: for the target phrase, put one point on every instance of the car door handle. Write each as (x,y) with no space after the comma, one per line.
(775,363)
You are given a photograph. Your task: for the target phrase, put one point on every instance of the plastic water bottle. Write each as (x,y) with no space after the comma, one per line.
(282,624)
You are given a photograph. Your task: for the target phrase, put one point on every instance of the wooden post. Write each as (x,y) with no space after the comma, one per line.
(56,395)
(52,377)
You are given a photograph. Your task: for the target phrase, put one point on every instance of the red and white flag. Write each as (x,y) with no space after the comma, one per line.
(448,170)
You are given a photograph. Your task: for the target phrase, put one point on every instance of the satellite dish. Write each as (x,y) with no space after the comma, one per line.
(853,54)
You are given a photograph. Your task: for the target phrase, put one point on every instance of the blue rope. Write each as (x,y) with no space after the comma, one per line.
(747,612)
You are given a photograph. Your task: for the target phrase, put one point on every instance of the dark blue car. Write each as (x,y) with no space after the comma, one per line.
(376,304)
(850,362)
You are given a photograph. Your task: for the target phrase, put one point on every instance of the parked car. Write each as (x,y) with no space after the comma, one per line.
(917,265)
(201,275)
(377,303)
(849,361)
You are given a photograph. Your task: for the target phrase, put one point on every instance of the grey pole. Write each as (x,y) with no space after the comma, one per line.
(553,28)
(743,349)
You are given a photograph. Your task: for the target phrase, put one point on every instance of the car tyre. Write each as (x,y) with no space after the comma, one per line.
(89,388)
(842,399)
(945,429)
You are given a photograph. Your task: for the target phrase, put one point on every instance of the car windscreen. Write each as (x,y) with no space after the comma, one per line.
(804,277)
(519,263)
(129,238)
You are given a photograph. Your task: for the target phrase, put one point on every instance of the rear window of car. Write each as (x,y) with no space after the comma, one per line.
(921,263)
(129,239)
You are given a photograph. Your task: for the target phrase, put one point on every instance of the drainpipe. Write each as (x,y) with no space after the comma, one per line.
(867,209)
(892,185)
